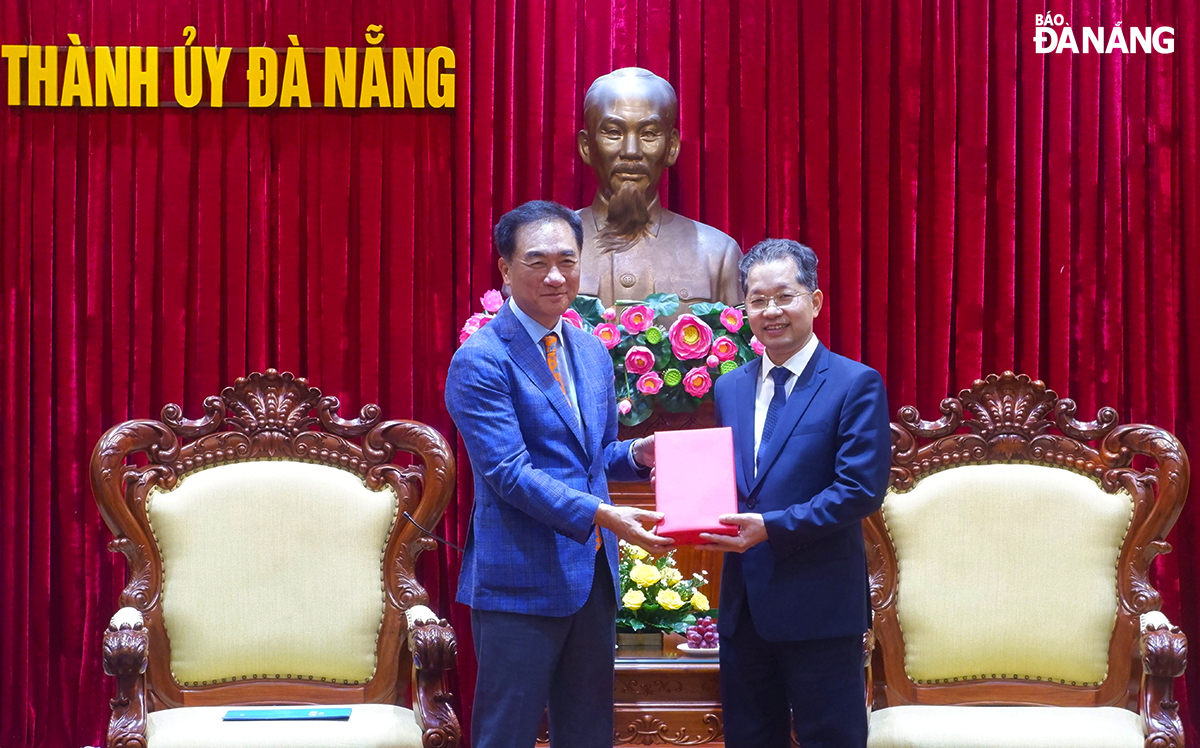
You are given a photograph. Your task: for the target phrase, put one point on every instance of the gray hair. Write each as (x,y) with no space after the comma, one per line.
(770,250)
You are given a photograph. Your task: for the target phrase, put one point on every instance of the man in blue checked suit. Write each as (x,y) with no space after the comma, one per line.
(533,400)
(812,449)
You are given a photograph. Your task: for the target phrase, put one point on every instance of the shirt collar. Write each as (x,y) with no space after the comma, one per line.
(536,329)
(796,364)
(600,214)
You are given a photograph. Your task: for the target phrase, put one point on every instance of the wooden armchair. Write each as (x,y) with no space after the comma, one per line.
(1009,577)
(271,561)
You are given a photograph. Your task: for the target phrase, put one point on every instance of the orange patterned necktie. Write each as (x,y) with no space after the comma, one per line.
(551,343)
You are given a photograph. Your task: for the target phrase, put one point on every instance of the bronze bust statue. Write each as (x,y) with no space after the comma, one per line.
(632,245)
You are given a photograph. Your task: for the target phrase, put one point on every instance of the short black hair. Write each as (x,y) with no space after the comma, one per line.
(769,250)
(534,211)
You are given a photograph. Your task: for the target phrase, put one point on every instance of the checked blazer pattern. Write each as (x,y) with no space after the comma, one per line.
(539,473)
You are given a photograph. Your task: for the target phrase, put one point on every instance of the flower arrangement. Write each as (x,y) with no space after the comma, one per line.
(656,365)
(654,594)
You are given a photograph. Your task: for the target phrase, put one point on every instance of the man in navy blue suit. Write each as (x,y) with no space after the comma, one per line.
(812,450)
(533,400)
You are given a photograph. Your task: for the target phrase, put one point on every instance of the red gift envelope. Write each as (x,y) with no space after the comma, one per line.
(694,483)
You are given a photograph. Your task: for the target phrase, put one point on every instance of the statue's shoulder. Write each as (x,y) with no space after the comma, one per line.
(710,238)
(588,217)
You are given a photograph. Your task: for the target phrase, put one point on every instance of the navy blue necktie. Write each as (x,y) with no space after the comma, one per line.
(780,375)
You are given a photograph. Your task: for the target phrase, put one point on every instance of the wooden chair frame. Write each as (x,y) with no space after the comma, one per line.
(267,416)
(1010,419)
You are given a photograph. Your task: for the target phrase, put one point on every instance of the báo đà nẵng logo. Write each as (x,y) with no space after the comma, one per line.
(1054,35)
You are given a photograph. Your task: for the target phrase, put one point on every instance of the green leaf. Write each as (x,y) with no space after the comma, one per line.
(663,304)
(642,408)
(677,400)
(590,308)
(702,308)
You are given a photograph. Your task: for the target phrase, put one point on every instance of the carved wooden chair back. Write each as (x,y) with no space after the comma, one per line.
(271,549)
(1010,561)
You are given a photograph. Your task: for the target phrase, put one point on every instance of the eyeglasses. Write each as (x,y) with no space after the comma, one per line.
(760,304)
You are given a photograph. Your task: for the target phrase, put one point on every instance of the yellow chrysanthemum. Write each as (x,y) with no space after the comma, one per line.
(637,553)
(633,599)
(672,575)
(699,601)
(644,575)
(669,600)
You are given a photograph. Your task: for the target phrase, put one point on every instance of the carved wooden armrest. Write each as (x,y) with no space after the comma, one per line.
(868,653)
(434,649)
(126,643)
(1163,649)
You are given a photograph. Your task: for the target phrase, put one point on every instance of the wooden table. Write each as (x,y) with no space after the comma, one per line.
(663,697)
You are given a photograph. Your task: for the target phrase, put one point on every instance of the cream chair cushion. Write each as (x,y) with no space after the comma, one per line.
(989,586)
(272,569)
(369,726)
(1004,727)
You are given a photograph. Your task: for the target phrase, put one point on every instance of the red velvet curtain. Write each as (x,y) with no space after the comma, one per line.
(976,207)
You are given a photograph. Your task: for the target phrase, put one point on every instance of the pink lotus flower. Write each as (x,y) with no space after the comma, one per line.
(624,407)
(712,361)
(724,348)
(637,319)
(690,337)
(639,360)
(697,382)
(609,314)
(492,301)
(608,334)
(731,318)
(650,383)
(757,346)
(573,317)
(472,325)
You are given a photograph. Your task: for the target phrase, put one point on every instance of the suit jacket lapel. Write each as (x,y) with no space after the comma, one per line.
(529,359)
(590,407)
(797,403)
(745,395)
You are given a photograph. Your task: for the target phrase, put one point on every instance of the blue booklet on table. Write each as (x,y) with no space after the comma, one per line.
(303,712)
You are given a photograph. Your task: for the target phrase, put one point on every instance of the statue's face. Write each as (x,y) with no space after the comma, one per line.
(630,137)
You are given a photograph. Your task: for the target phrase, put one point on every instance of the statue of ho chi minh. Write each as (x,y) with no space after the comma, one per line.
(632,245)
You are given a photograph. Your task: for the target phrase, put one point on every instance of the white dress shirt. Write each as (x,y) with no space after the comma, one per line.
(537,331)
(766,385)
